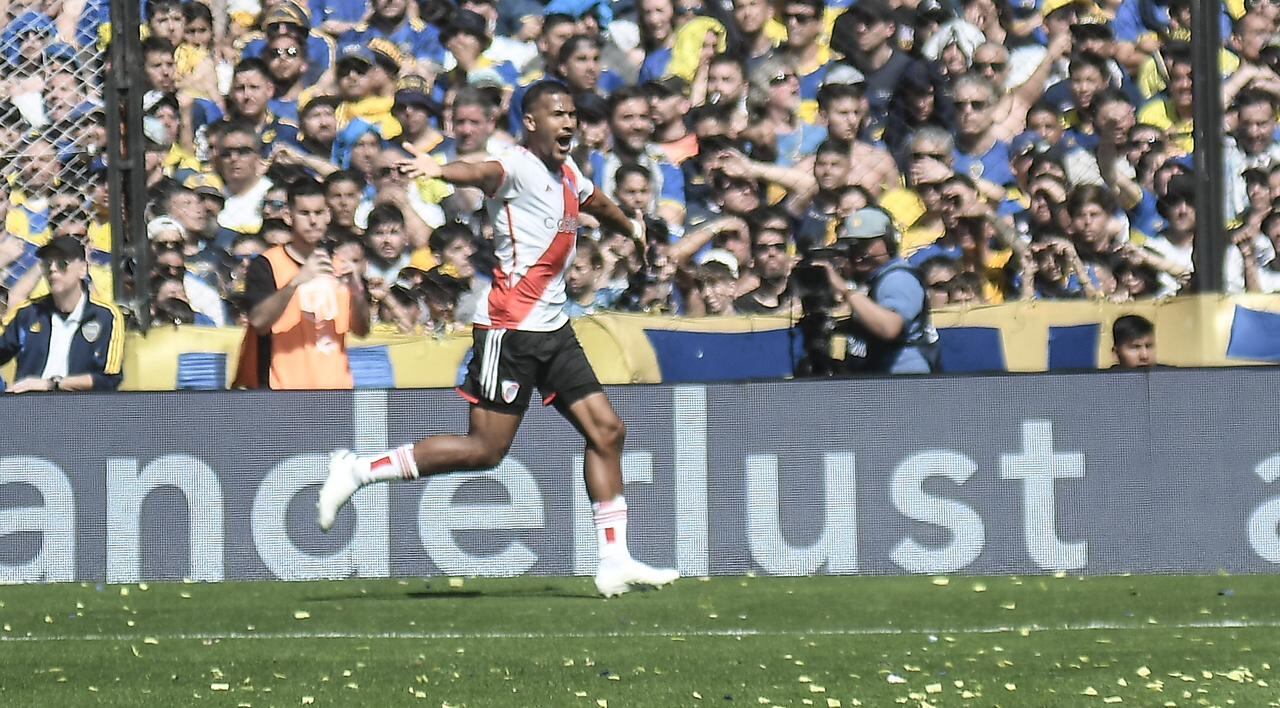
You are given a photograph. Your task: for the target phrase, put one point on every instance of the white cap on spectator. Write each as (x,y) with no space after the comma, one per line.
(164,224)
(843,74)
(723,257)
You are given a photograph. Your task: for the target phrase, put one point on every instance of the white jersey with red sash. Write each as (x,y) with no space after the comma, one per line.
(535,218)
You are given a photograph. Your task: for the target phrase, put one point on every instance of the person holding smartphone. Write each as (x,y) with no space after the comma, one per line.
(302,303)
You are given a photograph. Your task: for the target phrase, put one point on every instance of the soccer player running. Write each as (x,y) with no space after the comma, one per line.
(522,337)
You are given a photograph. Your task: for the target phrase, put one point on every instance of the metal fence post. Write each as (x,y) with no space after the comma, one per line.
(1206,76)
(126,169)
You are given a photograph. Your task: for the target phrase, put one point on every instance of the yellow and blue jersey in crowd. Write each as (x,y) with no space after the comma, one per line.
(667,180)
(97,347)
(19,267)
(412,37)
(205,113)
(655,65)
(811,78)
(992,165)
(27,223)
(338,10)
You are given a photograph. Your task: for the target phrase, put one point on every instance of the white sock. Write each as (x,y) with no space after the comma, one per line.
(611,527)
(393,465)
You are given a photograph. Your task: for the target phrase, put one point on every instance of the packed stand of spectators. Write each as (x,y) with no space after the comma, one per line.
(1025,149)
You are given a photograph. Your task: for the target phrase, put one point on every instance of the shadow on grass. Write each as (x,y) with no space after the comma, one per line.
(447,593)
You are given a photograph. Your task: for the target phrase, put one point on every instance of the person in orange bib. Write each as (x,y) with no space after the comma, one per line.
(302,304)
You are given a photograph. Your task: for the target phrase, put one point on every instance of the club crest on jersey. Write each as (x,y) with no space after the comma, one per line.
(91,331)
(510,389)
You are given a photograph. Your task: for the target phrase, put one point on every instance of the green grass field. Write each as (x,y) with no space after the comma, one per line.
(1032,641)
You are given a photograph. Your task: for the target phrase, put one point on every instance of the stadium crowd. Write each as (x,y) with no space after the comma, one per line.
(1025,149)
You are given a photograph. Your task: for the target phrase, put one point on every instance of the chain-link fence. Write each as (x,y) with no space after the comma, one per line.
(52,140)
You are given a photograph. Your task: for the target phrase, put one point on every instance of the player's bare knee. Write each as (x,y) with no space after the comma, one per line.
(489,453)
(611,435)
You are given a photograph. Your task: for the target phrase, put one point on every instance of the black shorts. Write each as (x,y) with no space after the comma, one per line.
(506,365)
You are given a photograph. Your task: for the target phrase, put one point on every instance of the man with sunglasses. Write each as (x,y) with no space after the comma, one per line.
(286,62)
(67,340)
(288,17)
(237,164)
(771,263)
(803,20)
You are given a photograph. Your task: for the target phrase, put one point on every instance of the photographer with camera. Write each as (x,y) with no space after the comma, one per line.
(888,330)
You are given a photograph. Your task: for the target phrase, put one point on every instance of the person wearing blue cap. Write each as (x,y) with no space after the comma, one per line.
(889,331)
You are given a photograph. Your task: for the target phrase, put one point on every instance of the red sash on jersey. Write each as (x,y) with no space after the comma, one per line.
(509,305)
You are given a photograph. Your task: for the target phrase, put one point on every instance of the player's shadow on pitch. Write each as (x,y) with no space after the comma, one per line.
(546,592)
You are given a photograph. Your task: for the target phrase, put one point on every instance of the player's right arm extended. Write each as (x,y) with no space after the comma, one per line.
(486,175)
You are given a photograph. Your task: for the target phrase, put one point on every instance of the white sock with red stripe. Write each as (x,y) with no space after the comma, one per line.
(611,527)
(394,464)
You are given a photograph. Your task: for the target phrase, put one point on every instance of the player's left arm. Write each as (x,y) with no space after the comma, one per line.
(611,216)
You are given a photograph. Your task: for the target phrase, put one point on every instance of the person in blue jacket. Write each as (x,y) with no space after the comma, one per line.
(67,340)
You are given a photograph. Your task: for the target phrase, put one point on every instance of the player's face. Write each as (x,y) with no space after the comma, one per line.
(551,125)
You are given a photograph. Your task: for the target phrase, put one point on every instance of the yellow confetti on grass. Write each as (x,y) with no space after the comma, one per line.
(697,695)
(150,640)
(1113,699)
(456,582)
(979,587)
(1011,687)
(1143,672)
(301,615)
(942,582)
(1089,691)
(219,687)
(933,688)
(308,700)
(1009,606)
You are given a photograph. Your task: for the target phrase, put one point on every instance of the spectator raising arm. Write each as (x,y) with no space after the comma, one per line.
(684,249)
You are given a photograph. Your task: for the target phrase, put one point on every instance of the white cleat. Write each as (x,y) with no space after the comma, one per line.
(338,487)
(618,575)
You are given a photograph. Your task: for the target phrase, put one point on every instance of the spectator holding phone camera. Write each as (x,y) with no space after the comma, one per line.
(1053,270)
(302,302)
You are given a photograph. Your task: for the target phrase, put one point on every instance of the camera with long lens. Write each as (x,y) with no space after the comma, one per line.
(817,326)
